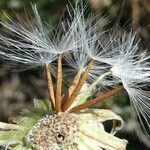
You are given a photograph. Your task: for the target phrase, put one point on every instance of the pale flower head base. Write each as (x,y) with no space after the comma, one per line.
(66,120)
(62,131)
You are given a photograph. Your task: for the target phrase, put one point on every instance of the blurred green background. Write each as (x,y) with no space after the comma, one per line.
(17,90)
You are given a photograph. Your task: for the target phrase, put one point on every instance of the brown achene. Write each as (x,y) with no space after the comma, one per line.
(60,104)
(70,100)
(96,100)
(50,86)
(72,87)
(59,84)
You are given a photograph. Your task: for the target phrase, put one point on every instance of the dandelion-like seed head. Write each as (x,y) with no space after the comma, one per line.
(66,120)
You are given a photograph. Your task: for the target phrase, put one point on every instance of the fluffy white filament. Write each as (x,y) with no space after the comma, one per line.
(132,69)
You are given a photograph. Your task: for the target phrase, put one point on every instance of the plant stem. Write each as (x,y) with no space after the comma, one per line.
(96,100)
(135,14)
(77,89)
(50,86)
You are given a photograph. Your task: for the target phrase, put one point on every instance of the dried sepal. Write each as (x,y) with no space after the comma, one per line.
(93,131)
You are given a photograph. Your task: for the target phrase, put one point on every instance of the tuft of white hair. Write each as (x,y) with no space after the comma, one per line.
(31,44)
(132,69)
(28,46)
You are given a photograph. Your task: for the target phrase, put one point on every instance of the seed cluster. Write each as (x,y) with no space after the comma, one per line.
(56,129)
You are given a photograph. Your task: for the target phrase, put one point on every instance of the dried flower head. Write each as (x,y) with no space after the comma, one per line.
(66,120)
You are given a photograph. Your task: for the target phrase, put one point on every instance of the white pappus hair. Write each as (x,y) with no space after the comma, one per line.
(29,45)
(133,70)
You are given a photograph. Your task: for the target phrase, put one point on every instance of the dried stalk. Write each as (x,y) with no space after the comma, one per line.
(59,84)
(50,86)
(96,100)
(146,5)
(77,89)
(135,14)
